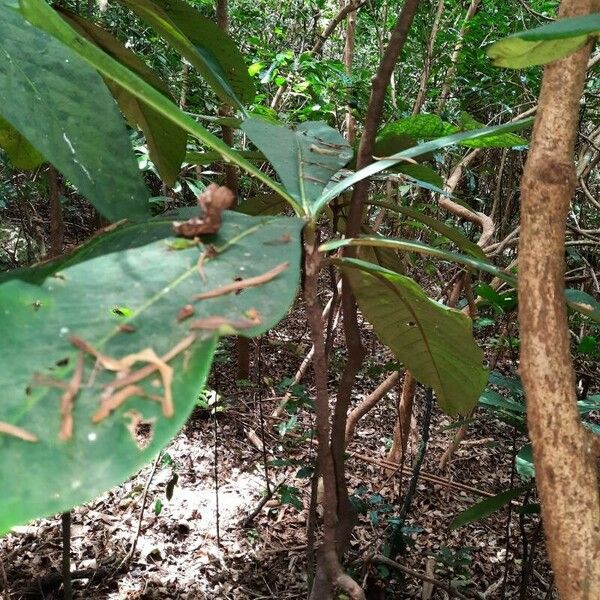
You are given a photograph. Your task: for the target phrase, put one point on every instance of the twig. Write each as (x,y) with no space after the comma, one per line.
(378,558)
(245,522)
(138,530)
(66,556)
(216,472)
(396,535)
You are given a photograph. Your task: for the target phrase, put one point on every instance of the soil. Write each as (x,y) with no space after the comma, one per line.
(192,544)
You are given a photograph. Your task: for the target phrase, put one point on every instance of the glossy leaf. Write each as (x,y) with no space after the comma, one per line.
(19,151)
(122,293)
(263,204)
(414,152)
(452,233)
(524,463)
(166,142)
(305,158)
(202,43)
(435,342)
(429,127)
(42,16)
(495,140)
(423,173)
(584,303)
(486,507)
(410,246)
(61,105)
(544,44)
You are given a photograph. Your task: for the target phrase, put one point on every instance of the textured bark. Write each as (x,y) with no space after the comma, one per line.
(329,570)
(565,463)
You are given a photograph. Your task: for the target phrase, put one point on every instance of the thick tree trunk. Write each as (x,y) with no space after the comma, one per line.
(566,466)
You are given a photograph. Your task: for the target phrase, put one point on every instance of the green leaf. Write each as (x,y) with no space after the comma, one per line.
(203,44)
(423,173)
(42,16)
(263,204)
(207,158)
(166,141)
(20,152)
(305,158)
(524,462)
(410,246)
(584,303)
(498,140)
(415,127)
(433,341)
(589,404)
(486,507)
(133,269)
(61,105)
(452,233)
(544,44)
(420,150)
(588,344)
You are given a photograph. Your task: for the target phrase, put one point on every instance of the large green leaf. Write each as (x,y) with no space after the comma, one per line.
(579,301)
(419,247)
(452,233)
(122,293)
(436,144)
(262,204)
(42,16)
(166,142)
(544,44)
(20,152)
(494,140)
(396,136)
(305,157)
(486,507)
(433,341)
(203,44)
(61,105)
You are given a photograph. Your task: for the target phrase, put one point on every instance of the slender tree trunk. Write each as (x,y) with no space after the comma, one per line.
(451,74)
(350,121)
(232,182)
(422,93)
(565,463)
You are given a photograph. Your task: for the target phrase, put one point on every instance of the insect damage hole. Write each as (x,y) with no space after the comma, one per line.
(141,430)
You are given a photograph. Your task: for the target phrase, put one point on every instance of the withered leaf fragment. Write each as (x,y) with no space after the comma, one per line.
(215,322)
(213,201)
(67,401)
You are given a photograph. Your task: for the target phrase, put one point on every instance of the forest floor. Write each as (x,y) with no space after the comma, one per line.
(179,554)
